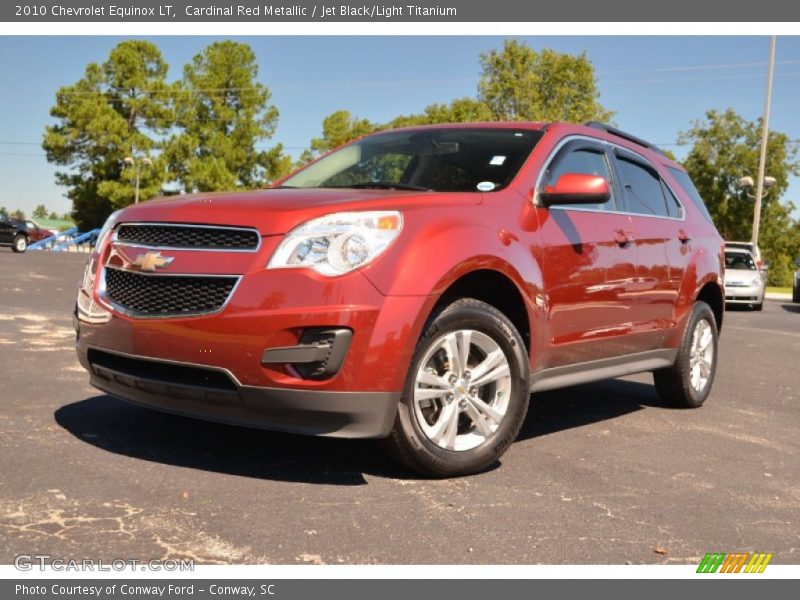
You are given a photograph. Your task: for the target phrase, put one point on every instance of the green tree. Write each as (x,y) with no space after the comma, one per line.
(222,115)
(519,84)
(3,211)
(18,214)
(40,212)
(460,110)
(725,147)
(119,108)
(53,216)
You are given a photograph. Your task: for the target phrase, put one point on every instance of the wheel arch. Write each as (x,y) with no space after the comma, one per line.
(711,293)
(498,288)
(702,280)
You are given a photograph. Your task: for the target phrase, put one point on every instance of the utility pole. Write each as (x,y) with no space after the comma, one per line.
(764,137)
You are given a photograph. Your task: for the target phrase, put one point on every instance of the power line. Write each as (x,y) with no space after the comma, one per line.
(684,68)
(395,82)
(683,79)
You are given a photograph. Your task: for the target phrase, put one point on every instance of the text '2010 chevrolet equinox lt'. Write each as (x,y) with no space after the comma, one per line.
(415,285)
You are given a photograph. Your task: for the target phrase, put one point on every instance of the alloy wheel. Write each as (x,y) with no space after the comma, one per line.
(701,356)
(462,390)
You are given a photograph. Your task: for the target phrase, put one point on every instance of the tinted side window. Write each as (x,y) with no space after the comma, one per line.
(674,208)
(643,193)
(587,162)
(686,183)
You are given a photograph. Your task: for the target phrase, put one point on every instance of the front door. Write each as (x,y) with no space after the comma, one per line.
(589,266)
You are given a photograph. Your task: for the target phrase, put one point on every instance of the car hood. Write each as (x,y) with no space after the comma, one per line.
(741,275)
(277,211)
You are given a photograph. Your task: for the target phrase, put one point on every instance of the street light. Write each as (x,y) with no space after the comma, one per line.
(748,183)
(142,162)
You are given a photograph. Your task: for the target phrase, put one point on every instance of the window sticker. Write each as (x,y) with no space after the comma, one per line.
(497,160)
(486,186)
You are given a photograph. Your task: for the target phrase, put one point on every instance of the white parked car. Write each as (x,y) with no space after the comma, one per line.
(745,283)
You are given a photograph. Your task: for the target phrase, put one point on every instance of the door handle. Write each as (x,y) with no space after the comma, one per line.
(623,238)
(683,236)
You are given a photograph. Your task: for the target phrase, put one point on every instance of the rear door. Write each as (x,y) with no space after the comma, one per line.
(6,231)
(662,245)
(588,264)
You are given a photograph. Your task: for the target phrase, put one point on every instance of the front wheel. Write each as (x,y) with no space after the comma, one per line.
(466,393)
(796,293)
(20,244)
(687,383)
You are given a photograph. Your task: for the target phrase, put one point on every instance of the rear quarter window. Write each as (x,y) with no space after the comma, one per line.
(686,184)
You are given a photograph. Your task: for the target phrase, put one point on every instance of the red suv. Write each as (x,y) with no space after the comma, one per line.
(415,285)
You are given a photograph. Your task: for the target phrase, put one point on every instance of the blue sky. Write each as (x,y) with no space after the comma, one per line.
(656,85)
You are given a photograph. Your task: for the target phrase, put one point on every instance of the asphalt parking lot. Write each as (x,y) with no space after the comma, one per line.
(601,473)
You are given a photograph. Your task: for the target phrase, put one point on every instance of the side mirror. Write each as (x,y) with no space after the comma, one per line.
(797,262)
(767,265)
(576,188)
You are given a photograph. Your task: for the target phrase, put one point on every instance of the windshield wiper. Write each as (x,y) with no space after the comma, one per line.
(384,185)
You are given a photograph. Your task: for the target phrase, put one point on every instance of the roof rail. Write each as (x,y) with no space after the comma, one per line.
(623,135)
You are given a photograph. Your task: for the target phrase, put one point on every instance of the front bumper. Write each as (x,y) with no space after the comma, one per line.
(214,394)
(744,294)
(267,318)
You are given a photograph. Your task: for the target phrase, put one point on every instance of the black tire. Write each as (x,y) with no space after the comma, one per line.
(20,244)
(796,294)
(759,306)
(411,446)
(673,384)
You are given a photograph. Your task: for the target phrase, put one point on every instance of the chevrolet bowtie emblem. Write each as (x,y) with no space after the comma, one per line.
(152,261)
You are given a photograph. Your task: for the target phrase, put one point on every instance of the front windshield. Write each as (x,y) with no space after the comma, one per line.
(739,261)
(442,160)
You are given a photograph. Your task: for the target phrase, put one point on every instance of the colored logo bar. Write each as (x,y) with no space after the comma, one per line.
(736,562)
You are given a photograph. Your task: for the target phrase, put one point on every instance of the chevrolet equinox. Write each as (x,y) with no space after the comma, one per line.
(415,285)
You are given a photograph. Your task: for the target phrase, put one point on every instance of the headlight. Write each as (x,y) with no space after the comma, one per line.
(338,243)
(106,229)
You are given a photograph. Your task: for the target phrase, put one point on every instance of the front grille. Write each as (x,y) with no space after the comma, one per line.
(167,295)
(188,236)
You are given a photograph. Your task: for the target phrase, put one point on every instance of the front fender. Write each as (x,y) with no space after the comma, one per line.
(436,253)
(437,248)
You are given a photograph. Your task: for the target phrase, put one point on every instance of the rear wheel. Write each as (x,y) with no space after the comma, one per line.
(687,383)
(466,393)
(20,244)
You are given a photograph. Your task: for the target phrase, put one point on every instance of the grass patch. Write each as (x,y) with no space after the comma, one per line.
(779,290)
